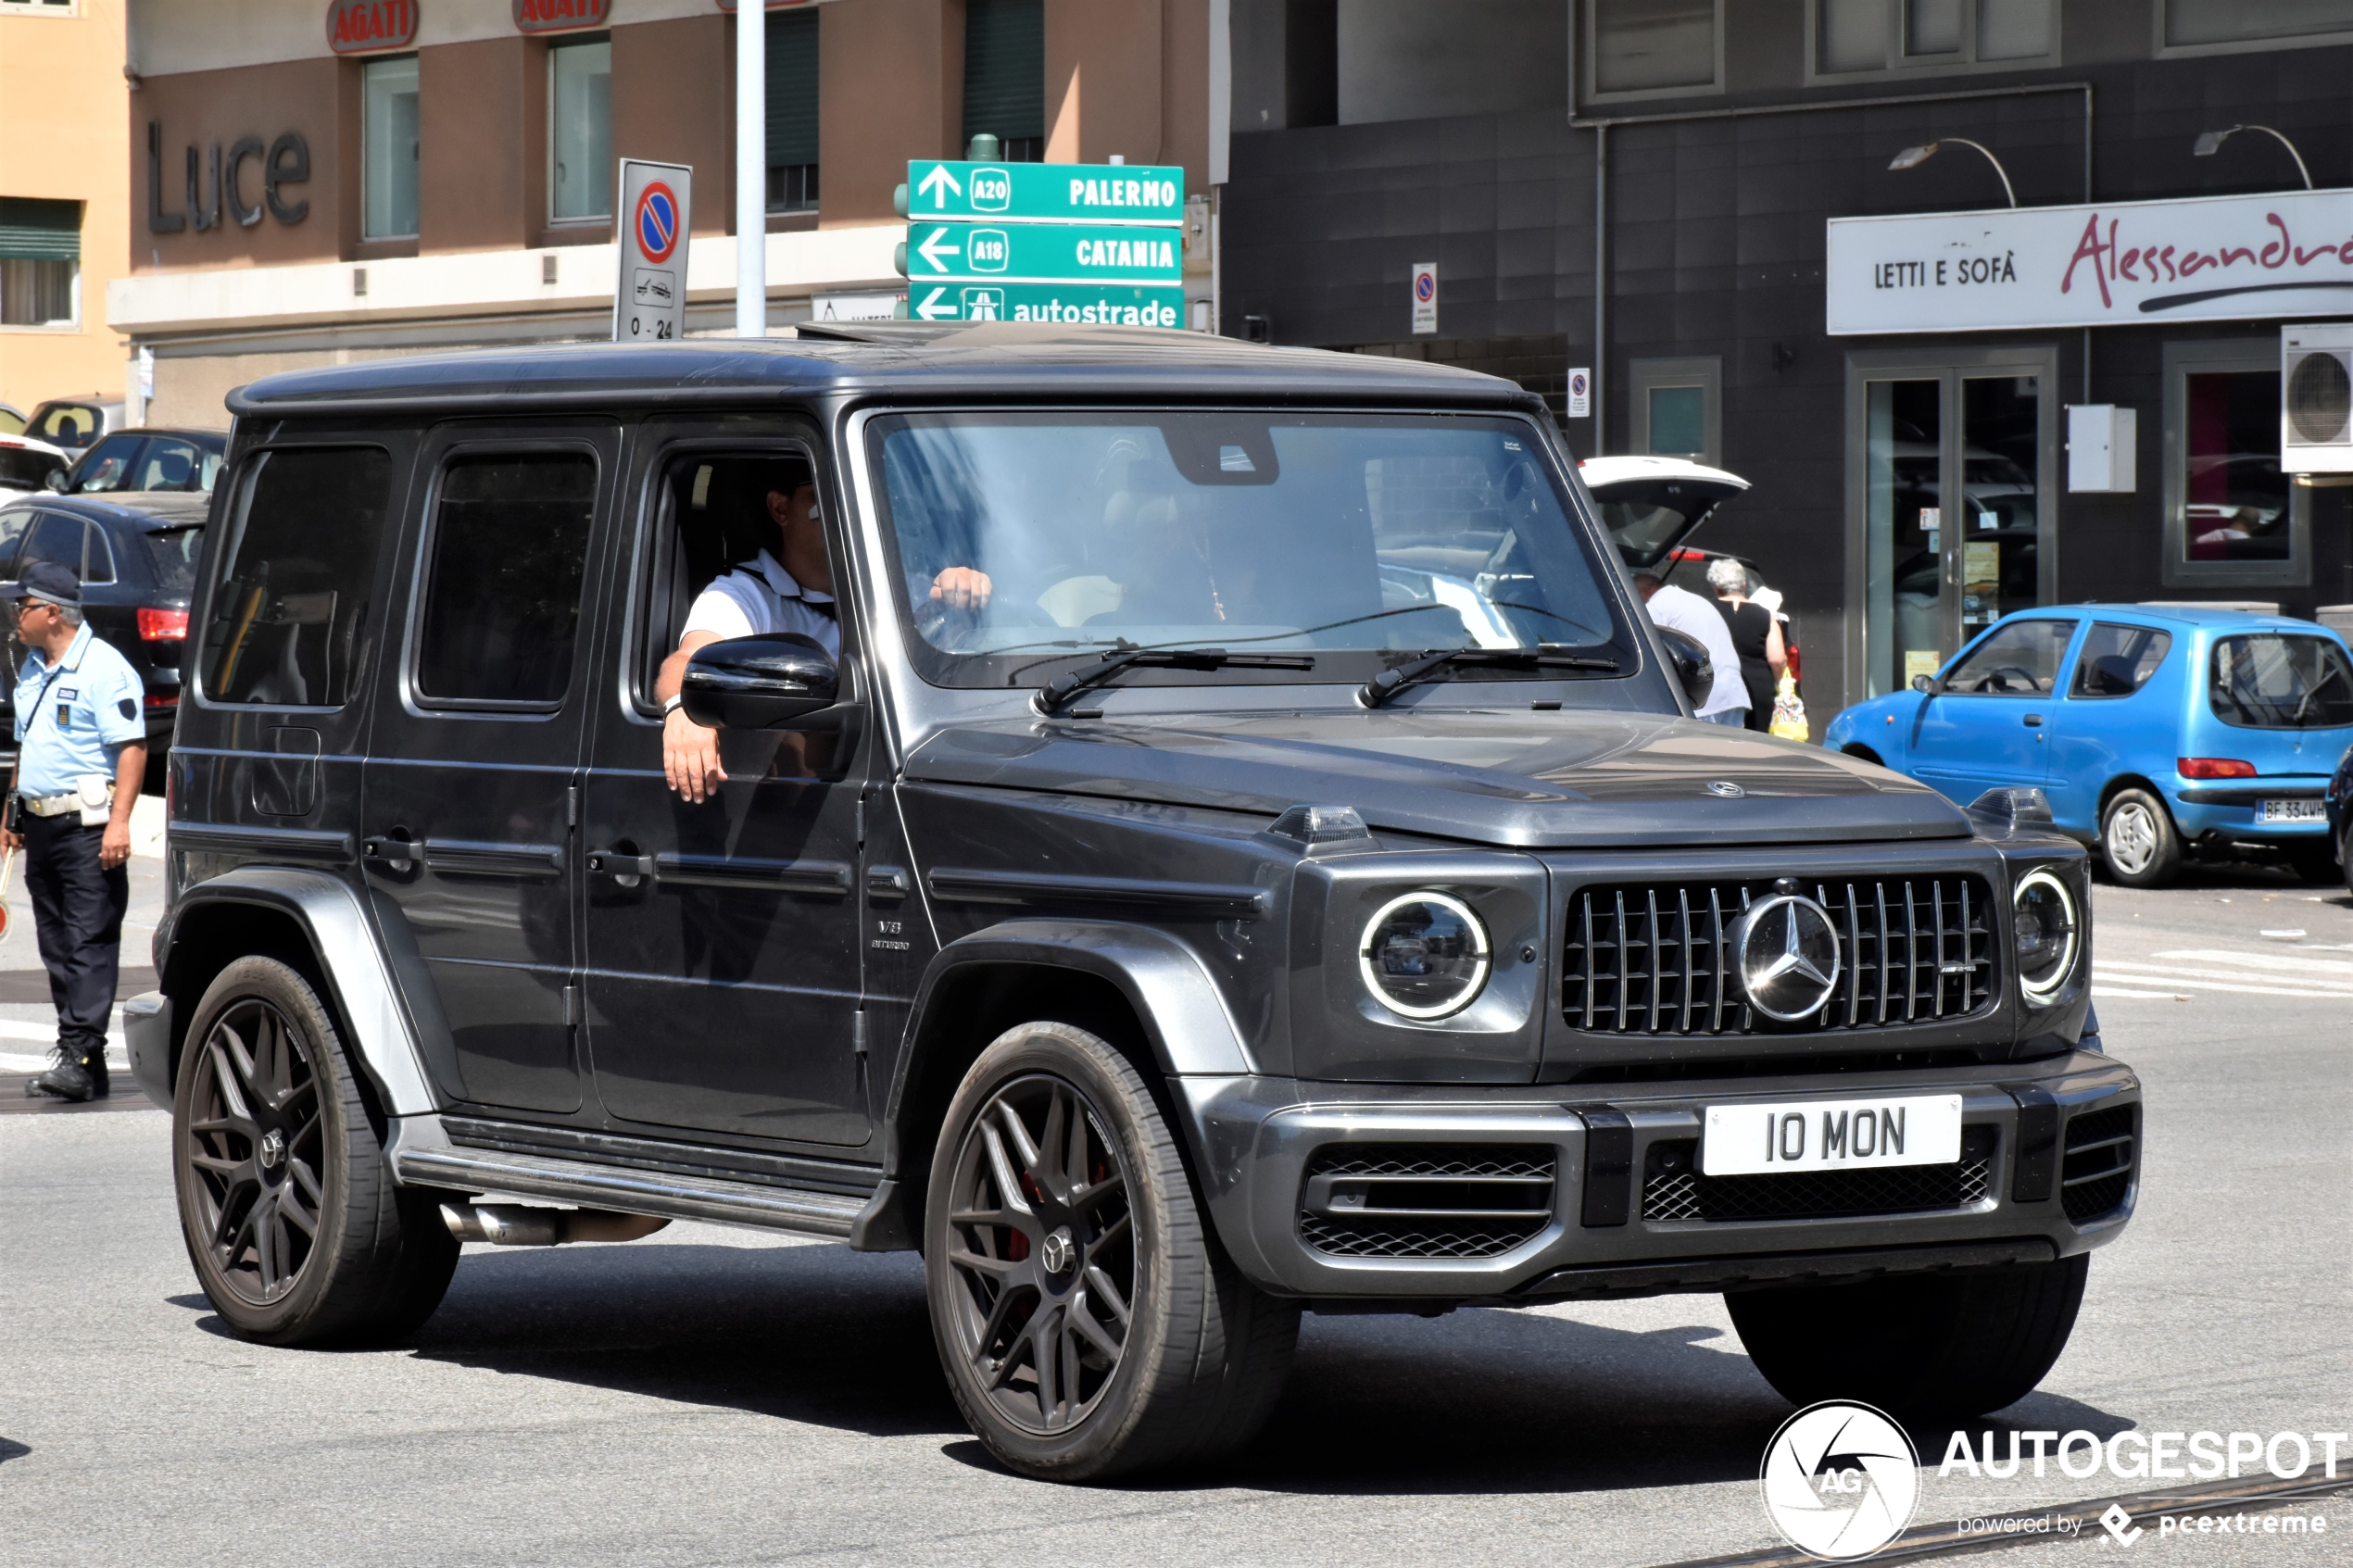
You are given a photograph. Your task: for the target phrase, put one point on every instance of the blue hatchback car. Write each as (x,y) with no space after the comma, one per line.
(2157,732)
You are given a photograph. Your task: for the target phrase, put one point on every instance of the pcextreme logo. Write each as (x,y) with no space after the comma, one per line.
(1840,1480)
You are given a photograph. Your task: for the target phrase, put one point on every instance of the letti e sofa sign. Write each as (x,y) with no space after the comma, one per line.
(2214,258)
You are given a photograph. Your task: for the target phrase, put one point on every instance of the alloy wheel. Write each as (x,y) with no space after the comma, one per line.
(1041,1239)
(2131,837)
(255,1149)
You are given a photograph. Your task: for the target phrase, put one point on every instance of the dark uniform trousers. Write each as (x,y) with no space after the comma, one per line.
(77,913)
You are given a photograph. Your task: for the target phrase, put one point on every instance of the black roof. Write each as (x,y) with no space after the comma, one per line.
(994,359)
(148,509)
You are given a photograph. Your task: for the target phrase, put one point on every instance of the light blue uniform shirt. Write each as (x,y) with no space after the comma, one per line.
(79,724)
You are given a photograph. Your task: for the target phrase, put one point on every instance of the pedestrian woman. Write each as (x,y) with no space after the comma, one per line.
(1756,637)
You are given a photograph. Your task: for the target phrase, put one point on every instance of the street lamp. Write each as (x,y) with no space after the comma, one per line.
(2210,142)
(1912,158)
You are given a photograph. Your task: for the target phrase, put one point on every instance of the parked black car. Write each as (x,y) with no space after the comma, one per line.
(137,558)
(148,461)
(2338,801)
(1249,854)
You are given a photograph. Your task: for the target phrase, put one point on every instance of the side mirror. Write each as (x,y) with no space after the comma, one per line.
(759,683)
(1693,667)
(55,481)
(1925,684)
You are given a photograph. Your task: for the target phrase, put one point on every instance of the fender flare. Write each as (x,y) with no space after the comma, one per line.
(343,942)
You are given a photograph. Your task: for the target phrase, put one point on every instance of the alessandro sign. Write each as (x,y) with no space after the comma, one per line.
(2215,259)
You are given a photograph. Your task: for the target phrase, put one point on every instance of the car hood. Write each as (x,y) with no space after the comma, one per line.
(1529,781)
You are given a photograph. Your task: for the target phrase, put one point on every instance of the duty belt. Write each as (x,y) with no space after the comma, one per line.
(57,805)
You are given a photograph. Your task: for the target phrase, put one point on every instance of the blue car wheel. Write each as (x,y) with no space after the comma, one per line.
(2138,841)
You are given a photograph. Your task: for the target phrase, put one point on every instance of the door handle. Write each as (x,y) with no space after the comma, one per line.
(620,863)
(401,854)
(2034,721)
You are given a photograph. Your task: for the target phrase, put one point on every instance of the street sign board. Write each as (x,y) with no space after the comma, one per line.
(1065,193)
(649,296)
(1045,252)
(1425,296)
(1091,305)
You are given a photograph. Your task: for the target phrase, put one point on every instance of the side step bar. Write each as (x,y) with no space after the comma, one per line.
(628,1190)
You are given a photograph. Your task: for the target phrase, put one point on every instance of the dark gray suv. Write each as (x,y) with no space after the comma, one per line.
(1234,846)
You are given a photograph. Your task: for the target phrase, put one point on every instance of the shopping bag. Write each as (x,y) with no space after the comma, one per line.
(1789,713)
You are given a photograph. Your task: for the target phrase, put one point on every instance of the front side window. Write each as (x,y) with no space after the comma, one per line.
(108,466)
(580,130)
(2271,682)
(1651,45)
(502,586)
(1341,537)
(2020,660)
(285,623)
(388,147)
(40,262)
(2117,660)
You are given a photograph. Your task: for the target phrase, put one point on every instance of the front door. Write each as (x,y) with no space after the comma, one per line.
(1986,725)
(470,787)
(722,957)
(1951,501)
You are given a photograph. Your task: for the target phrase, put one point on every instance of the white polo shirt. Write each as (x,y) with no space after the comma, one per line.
(1681,610)
(761,598)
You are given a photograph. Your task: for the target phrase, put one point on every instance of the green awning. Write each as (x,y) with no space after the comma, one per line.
(34,230)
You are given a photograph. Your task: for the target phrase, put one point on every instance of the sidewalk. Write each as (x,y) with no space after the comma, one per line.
(28,1023)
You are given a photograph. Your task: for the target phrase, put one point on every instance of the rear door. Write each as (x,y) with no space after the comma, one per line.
(1982,728)
(470,795)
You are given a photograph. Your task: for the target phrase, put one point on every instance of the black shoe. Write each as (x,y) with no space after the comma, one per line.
(69,1080)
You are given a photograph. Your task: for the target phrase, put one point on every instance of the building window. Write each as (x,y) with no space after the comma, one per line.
(1005,76)
(1678,407)
(1859,35)
(580,130)
(40,262)
(1649,47)
(2232,518)
(40,7)
(2206,25)
(792,110)
(388,147)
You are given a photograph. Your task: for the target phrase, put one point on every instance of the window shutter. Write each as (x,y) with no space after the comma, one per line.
(792,88)
(34,230)
(1004,69)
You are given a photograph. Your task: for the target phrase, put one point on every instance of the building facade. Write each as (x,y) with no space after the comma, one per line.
(64,198)
(1657,191)
(320,179)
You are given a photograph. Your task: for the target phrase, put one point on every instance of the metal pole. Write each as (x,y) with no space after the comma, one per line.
(1601,289)
(751,169)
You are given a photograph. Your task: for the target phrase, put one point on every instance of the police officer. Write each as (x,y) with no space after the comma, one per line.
(81,757)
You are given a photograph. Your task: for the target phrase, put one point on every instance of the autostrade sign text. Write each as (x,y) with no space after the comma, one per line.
(2214,258)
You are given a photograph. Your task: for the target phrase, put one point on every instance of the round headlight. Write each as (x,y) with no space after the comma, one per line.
(2047,935)
(1425,955)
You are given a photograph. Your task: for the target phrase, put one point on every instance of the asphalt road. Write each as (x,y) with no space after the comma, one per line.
(718,1396)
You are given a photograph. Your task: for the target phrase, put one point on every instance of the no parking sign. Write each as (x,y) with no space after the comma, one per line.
(1425,296)
(649,297)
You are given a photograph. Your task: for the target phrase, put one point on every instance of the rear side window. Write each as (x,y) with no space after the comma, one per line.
(62,539)
(287,619)
(176,465)
(2117,660)
(2022,659)
(2268,680)
(502,589)
(174,552)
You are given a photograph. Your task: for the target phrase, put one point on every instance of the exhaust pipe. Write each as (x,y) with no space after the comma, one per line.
(510,1224)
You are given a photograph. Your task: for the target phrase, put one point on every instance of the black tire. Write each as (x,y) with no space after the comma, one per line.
(2345,854)
(1928,1345)
(2138,843)
(1197,1361)
(2315,865)
(286,1202)
(1866,754)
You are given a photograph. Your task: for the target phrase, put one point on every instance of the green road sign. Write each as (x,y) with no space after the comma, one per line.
(1066,192)
(1091,304)
(1062,253)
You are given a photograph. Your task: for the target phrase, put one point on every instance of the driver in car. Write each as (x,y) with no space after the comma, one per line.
(789,589)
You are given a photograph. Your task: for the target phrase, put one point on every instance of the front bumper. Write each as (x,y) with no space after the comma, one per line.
(1604,1230)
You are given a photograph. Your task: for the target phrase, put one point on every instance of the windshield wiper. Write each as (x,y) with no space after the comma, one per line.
(1062,688)
(1439,665)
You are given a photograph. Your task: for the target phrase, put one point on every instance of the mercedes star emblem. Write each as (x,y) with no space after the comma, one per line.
(1724,789)
(1786,951)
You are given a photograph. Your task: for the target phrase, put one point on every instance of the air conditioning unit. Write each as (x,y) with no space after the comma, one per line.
(2316,398)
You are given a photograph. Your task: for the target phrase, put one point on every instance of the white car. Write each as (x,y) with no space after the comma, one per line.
(26,464)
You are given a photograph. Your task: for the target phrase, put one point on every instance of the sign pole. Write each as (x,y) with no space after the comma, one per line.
(751,169)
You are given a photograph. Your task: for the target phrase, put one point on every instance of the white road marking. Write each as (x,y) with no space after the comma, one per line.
(2318,968)
(2100,993)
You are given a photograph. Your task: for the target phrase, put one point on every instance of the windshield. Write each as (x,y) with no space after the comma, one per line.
(2268,682)
(175,551)
(1024,539)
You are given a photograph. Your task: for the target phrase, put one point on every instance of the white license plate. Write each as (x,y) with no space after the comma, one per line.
(2291,812)
(1830,1135)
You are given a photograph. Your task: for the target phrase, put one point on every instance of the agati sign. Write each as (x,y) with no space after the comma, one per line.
(358,27)
(559,16)
(2216,258)
(649,296)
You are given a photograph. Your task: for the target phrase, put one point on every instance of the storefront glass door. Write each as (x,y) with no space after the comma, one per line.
(1951,480)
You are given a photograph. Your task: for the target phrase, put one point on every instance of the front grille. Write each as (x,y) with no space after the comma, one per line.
(1426,1200)
(1655,958)
(2098,1168)
(1674,1189)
